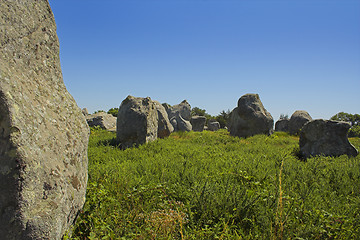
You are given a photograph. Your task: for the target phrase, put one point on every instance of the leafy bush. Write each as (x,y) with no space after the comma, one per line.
(223,118)
(353,119)
(209,185)
(354,131)
(113,111)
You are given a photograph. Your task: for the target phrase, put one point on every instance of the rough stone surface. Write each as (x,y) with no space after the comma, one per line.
(173,122)
(327,138)
(85,111)
(183,108)
(43,134)
(182,124)
(282,125)
(213,126)
(198,123)
(101,119)
(137,121)
(250,117)
(164,126)
(297,121)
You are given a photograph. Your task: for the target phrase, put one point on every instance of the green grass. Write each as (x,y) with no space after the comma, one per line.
(210,185)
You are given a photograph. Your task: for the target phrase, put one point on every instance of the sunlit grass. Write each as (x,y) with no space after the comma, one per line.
(210,185)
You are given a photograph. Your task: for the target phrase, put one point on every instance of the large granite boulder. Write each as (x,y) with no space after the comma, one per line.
(183,108)
(101,119)
(43,133)
(282,125)
(213,125)
(297,121)
(198,123)
(326,138)
(182,124)
(250,117)
(137,122)
(164,126)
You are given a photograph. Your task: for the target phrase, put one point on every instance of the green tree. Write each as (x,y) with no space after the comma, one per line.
(113,111)
(353,119)
(223,118)
(284,116)
(198,112)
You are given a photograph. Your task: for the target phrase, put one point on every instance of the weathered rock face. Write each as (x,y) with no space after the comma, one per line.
(250,117)
(198,123)
(183,108)
(164,126)
(43,134)
(137,121)
(182,124)
(297,121)
(213,126)
(324,137)
(282,125)
(101,119)
(85,111)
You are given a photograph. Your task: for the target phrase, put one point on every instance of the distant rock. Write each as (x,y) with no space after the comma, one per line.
(297,121)
(326,138)
(101,119)
(182,124)
(282,125)
(173,122)
(183,108)
(164,126)
(198,123)
(85,111)
(250,117)
(179,115)
(43,133)
(137,121)
(213,125)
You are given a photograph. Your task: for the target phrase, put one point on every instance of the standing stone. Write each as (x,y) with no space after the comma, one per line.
(164,126)
(183,108)
(85,111)
(325,137)
(282,125)
(297,121)
(198,123)
(43,133)
(173,122)
(250,117)
(137,121)
(213,126)
(182,124)
(101,119)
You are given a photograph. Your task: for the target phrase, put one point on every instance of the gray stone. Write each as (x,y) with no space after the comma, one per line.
(43,133)
(213,126)
(137,121)
(183,108)
(282,125)
(164,126)
(182,124)
(326,138)
(198,123)
(297,121)
(250,117)
(101,119)
(85,111)
(173,122)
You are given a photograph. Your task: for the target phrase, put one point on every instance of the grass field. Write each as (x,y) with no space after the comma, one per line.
(210,185)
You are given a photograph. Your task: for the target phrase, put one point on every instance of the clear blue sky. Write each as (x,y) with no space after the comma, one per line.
(296,54)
